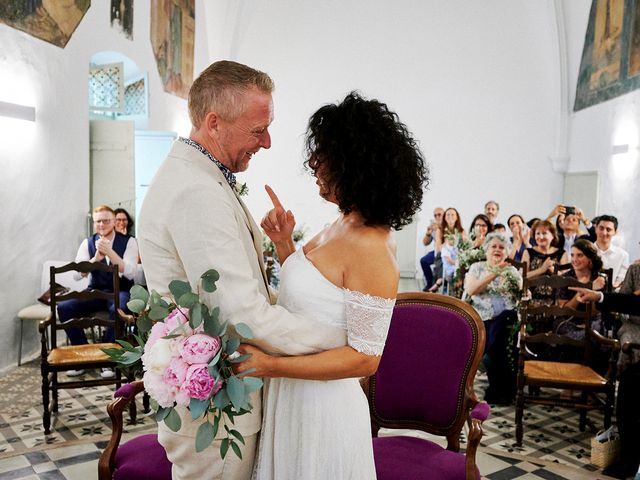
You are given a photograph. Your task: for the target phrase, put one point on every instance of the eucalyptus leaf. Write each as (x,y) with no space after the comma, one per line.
(251,384)
(195,315)
(198,407)
(215,359)
(136,305)
(236,449)
(232,345)
(211,326)
(179,288)
(162,413)
(216,424)
(172,421)
(244,330)
(215,314)
(213,371)
(235,390)
(130,357)
(224,447)
(139,339)
(114,353)
(126,345)
(188,299)
(209,279)
(138,292)
(163,303)
(144,324)
(158,312)
(204,436)
(237,434)
(221,400)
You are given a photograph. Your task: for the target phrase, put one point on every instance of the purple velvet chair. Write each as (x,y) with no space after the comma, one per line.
(425,382)
(140,457)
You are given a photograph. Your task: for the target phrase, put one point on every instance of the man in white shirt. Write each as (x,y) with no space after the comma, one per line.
(612,257)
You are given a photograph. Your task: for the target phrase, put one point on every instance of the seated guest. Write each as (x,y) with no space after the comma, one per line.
(429,236)
(449,262)
(612,257)
(543,257)
(519,236)
(124,222)
(106,246)
(585,267)
(494,288)
(480,227)
(491,210)
(499,228)
(568,224)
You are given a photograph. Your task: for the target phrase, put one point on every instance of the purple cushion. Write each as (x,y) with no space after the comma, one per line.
(481,411)
(438,337)
(412,458)
(125,390)
(142,457)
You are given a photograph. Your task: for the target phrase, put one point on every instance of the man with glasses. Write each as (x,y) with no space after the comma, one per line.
(429,258)
(110,247)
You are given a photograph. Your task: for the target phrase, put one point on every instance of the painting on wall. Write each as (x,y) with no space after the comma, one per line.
(53,21)
(172,38)
(611,55)
(122,17)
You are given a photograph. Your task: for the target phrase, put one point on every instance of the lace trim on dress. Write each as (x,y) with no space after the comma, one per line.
(368,319)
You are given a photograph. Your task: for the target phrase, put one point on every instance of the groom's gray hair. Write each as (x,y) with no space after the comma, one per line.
(221,88)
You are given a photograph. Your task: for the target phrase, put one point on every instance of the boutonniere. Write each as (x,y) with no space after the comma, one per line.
(241,189)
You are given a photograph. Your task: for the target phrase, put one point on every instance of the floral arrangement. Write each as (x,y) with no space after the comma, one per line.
(508,284)
(187,356)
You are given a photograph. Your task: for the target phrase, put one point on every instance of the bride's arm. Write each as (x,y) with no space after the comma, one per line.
(372,283)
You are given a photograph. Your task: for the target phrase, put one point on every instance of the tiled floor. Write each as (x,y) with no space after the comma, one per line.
(553,447)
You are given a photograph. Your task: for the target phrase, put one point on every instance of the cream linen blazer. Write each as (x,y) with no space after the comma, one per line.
(190,221)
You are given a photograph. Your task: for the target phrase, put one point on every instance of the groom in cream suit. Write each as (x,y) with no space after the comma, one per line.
(192,220)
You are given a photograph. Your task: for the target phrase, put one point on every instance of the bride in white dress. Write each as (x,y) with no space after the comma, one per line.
(315,414)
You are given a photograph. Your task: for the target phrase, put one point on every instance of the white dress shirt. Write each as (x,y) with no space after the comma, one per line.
(616,258)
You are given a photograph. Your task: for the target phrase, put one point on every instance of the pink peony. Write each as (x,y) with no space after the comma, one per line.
(159,390)
(176,372)
(179,316)
(158,331)
(199,348)
(199,384)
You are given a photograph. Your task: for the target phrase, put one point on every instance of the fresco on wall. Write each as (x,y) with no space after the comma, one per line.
(172,38)
(122,17)
(610,64)
(53,21)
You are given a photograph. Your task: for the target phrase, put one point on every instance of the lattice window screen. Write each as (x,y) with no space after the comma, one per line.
(106,88)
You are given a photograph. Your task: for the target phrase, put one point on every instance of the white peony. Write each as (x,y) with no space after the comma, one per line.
(158,357)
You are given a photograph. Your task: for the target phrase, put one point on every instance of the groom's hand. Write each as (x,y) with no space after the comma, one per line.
(258,360)
(278,223)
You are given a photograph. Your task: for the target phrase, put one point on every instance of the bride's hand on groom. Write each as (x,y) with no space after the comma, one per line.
(278,223)
(259,360)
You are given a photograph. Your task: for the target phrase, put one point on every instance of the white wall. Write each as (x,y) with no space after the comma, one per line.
(475,81)
(44,187)
(596,129)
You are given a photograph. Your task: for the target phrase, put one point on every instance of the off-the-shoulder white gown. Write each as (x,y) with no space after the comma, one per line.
(320,430)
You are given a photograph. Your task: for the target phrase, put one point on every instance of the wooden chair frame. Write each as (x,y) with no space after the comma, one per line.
(562,377)
(51,364)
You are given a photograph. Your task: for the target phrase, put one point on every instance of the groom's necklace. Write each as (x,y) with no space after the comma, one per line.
(231,178)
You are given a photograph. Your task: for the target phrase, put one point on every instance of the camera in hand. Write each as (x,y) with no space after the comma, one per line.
(569,210)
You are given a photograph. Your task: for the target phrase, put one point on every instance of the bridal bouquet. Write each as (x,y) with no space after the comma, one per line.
(187,355)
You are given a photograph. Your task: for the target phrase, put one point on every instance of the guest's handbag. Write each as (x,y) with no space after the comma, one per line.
(605,447)
(46,296)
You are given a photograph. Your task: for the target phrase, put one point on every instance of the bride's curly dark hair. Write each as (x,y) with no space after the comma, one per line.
(369,160)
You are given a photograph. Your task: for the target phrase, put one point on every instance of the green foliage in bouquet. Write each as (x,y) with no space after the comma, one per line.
(187,356)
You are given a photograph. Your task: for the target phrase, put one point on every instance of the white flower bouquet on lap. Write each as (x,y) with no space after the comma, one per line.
(187,357)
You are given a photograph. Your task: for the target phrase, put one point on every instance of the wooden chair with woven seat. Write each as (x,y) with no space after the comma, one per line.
(56,359)
(555,370)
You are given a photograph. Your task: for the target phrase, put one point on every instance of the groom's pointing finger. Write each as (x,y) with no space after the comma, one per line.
(272,195)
